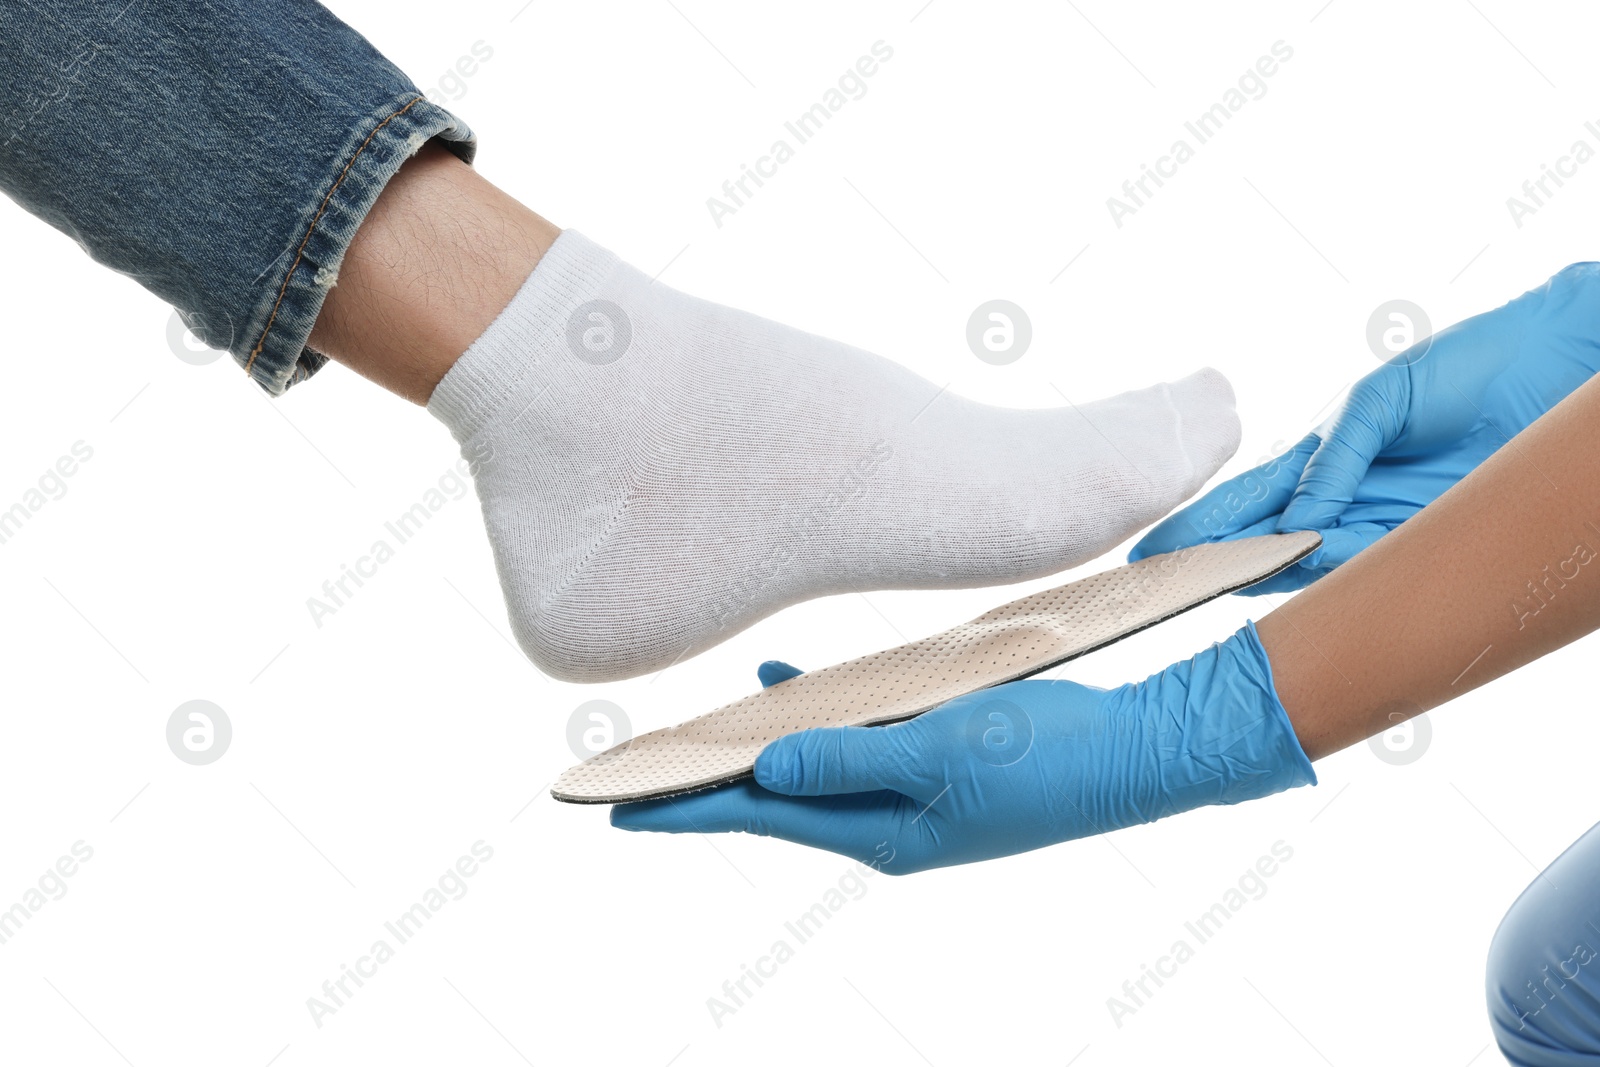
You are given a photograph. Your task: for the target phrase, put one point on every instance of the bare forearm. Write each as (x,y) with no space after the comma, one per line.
(1498,571)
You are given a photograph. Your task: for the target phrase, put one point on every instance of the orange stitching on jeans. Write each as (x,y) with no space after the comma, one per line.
(300,253)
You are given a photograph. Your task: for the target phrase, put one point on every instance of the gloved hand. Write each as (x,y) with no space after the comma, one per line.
(1407,432)
(1012,768)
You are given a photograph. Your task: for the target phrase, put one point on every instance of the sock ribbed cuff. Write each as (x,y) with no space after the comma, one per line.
(573,270)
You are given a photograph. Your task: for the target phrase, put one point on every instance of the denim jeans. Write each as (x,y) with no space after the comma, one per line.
(1544,965)
(221,153)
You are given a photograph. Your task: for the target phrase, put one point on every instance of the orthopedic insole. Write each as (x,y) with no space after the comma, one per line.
(1013,641)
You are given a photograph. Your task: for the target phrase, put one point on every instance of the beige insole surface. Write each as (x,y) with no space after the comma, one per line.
(1012,641)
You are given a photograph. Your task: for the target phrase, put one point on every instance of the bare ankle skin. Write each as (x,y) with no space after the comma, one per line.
(438,258)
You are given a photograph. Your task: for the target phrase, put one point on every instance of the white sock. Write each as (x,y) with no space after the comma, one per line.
(658,472)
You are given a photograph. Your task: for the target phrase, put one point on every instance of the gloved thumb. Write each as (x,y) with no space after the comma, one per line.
(774,671)
(840,759)
(1370,420)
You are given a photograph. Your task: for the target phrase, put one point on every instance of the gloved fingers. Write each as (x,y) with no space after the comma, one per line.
(1290,580)
(1239,503)
(774,671)
(1340,545)
(1268,525)
(843,759)
(864,826)
(1371,419)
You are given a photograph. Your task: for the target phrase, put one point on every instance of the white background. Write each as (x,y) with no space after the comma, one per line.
(370,753)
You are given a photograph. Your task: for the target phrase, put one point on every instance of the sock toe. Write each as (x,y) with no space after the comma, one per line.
(1208,430)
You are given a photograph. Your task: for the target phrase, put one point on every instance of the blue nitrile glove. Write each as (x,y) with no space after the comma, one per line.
(1012,768)
(1407,432)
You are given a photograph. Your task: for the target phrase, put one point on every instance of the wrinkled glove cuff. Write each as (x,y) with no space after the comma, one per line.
(1230,738)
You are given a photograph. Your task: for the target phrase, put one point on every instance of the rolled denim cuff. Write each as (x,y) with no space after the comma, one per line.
(273,347)
(222,154)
